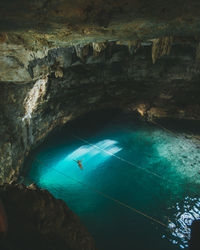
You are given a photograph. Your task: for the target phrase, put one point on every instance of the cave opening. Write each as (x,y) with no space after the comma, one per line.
(129,165)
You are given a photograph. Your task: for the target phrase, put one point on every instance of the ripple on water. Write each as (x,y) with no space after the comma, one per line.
(182,216)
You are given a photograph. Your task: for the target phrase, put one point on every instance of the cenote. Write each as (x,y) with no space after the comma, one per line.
(139,185)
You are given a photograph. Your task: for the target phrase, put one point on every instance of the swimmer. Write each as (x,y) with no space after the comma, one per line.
(79,164)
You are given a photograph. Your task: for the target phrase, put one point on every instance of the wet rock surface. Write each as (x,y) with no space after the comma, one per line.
(36,220)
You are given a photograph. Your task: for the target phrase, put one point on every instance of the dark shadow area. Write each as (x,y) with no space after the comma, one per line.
(36,220)
(96,120)
(195,242)
(191,127)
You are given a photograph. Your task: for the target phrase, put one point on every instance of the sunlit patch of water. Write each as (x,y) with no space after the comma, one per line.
(92,157)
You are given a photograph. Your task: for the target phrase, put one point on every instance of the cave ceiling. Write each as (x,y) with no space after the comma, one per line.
(29,29)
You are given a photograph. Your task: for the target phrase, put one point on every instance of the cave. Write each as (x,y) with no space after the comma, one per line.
(118,77)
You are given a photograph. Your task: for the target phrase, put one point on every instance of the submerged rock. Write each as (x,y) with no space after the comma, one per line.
(36,220)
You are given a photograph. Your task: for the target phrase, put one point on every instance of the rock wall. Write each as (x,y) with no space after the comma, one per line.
(36,220)
(69,81)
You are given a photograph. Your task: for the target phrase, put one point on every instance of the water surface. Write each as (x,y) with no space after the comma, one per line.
(135,163)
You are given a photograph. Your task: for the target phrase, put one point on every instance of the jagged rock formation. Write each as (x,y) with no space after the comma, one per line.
(161,46)
(36,220)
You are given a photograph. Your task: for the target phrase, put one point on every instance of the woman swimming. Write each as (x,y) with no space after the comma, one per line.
(79,164)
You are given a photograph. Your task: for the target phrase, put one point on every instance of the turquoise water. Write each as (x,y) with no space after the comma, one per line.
(136,163)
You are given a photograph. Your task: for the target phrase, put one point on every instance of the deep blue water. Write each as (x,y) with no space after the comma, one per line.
(141,165)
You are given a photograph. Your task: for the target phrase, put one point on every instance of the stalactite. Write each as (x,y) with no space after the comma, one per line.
(134,45)
(58,73)
(98,47)
(82,51)
(160,47)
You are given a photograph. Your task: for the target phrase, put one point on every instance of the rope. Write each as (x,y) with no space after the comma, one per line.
(166,129)
(170,131)
(134,165)
(119,158)
(128,162)
(113,199)
(174,134)
(131,164)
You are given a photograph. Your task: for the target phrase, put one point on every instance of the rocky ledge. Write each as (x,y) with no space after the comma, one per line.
(36,220)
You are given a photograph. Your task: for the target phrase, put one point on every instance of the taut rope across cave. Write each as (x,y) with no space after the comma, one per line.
(113,199)
(129,164)
(119,158)
(116,200)
(126,161)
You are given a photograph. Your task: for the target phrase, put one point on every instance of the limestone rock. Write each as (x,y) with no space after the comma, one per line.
(36,220)
(98,47)
(161,47)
